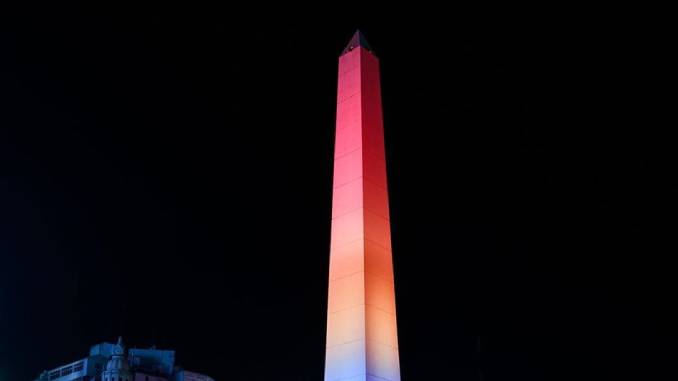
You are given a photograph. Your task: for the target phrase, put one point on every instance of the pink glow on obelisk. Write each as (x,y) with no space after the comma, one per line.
(362,342)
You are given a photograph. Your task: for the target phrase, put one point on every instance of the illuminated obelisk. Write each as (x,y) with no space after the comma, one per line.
(362,343)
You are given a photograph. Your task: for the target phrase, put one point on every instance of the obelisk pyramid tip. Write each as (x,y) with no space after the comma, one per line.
(357,40)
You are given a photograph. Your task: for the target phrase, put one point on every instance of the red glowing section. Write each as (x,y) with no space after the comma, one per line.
(362,342)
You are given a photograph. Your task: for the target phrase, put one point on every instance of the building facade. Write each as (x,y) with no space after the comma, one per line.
(111,362)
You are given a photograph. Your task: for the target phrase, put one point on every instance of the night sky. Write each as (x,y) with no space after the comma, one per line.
(166,175)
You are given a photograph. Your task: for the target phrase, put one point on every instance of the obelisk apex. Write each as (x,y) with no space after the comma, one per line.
(357,40)
(362,342)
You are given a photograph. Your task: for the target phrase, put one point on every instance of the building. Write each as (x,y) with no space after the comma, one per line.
(362,340)
(110,362)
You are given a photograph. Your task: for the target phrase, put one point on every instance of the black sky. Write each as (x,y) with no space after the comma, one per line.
(165,174)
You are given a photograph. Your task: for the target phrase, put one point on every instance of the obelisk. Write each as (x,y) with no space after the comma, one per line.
(362,342)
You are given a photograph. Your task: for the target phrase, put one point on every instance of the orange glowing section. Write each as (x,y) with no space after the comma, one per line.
(362,339)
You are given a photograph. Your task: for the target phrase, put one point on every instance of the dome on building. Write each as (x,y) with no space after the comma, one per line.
(117,364)
(118,368)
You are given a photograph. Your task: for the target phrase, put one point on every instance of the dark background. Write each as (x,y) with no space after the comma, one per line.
(165,175)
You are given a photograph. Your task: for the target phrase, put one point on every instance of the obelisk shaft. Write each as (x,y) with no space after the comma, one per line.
(362,342)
